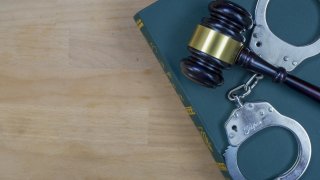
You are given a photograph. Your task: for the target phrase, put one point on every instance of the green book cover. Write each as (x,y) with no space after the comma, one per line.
(168,26)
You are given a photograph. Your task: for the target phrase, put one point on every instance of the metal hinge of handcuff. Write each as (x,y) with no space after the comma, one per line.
(274,50)
(250,118)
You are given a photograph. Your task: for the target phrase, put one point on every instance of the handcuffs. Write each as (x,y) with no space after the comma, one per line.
(250,118)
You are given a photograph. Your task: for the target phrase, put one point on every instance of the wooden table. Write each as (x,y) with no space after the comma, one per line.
(83,97)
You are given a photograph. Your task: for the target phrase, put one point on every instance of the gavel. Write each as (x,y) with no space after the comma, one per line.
(218,44)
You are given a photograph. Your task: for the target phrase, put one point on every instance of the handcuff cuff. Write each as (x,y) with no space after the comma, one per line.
(250,118)
(281,53)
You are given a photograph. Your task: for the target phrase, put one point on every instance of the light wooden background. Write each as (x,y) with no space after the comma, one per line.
(83,97)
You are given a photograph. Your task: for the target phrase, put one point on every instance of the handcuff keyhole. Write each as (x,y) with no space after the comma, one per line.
(235,128)
(259,44)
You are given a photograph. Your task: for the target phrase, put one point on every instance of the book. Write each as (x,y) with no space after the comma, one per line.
(168,26)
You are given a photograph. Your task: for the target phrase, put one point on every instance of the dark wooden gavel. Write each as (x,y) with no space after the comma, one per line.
(218,44)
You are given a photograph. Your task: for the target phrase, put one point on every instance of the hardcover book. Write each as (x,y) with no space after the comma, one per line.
(168,26)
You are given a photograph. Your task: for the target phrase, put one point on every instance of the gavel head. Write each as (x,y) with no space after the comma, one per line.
(216,43)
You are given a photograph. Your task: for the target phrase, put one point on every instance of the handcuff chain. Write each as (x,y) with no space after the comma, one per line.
(246,89)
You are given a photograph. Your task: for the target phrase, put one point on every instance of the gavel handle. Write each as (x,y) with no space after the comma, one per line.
(303,87)
(250,61)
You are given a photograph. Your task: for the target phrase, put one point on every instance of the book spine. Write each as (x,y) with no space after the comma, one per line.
(184,99)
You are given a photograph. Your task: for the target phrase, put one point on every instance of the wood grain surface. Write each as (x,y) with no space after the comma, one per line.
(83,97)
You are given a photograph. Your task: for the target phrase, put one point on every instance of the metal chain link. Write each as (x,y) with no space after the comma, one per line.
(242,91)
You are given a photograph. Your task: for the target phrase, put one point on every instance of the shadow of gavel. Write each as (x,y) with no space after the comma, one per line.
(218,44)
